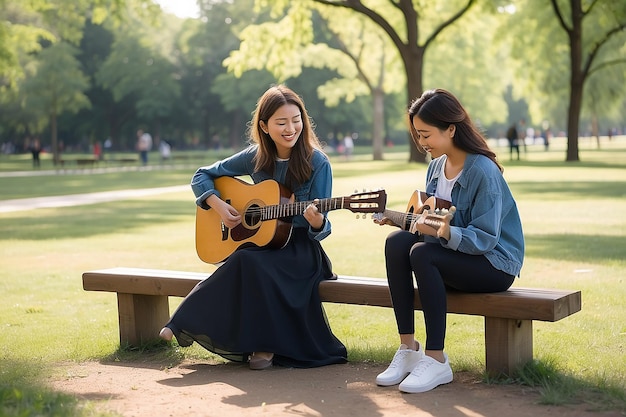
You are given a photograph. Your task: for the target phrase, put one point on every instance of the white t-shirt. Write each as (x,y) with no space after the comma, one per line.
(145,142)
(445,185)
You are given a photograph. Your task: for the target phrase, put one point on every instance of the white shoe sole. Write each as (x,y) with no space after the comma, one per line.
(388,383)
(440,380)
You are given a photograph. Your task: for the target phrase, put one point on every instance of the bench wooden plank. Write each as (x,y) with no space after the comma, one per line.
(142,281)
(516,303)
(143,307)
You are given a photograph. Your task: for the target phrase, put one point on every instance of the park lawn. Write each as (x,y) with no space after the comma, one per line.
(574,221)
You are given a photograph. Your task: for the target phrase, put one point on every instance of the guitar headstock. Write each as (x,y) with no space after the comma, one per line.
(367,202)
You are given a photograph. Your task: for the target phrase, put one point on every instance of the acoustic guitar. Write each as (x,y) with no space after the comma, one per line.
(266,210)
(434,211)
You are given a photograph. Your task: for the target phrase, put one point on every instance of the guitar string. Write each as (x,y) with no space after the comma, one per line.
(284,210)
(413,216)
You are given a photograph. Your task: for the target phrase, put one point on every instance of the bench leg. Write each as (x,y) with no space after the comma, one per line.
(141,317)
(508,344)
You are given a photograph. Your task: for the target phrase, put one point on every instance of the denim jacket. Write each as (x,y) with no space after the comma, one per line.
(486,221)
(319,185)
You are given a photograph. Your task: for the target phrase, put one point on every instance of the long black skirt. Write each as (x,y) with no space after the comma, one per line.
(263,300)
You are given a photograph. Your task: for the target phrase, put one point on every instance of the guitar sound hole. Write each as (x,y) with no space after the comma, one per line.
(252,216)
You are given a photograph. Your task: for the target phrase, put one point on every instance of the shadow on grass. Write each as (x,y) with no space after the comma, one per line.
(21,394)
(581,248)
(563,164)
(154,355)
(557,387)
(569,190)
(95,219)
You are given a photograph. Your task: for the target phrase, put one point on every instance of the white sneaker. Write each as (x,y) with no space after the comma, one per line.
(428,374)
(401,365)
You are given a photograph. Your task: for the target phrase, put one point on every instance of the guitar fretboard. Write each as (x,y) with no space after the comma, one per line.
(405,219)
(361,202)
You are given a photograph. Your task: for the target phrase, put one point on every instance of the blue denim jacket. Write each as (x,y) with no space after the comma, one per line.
(319,185)
(486,221)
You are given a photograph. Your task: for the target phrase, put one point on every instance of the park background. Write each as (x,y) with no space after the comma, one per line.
(132,66)
(76,73)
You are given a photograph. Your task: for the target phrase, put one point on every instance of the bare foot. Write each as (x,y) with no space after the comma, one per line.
(166,334)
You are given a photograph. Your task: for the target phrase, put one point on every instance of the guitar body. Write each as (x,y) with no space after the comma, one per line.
(419,202)
(416,202)
(215,242)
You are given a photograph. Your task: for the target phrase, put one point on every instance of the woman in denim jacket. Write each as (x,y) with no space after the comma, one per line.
(262,305)
(481,250)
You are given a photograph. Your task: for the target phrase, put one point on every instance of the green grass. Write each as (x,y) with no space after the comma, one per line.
(574,222)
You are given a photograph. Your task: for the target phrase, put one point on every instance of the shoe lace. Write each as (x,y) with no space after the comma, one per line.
(398,358)
(421,367)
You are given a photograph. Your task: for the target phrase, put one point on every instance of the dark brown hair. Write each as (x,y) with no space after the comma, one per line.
(300,165)
(440,108)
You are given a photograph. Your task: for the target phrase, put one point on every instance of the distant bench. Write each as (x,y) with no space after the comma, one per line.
(143,307)
(80,162)
(123,160)
(86,162)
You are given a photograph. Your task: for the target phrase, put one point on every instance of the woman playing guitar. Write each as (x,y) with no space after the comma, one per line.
(481,249)
(262,305)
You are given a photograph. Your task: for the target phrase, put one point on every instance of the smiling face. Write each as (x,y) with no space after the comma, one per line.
(432,139)
(284,128)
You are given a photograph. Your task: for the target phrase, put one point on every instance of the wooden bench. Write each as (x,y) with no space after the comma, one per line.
(122,161)
(143,307)
(86,161)
(80,162)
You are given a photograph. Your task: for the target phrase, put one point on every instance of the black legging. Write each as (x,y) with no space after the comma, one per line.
(436,269)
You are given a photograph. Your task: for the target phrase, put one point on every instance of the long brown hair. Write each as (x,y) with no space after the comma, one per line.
(440,108)
(300,165)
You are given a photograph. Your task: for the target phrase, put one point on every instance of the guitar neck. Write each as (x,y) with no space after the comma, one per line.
(404,220)
(400,218)
(279,211)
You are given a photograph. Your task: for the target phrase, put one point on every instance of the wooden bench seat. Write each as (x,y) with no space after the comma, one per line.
(143,307)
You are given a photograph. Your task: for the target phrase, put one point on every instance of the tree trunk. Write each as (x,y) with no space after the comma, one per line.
(379,123)
(595,128)
(576,82)
(573,122)
(56,158)
(414,66)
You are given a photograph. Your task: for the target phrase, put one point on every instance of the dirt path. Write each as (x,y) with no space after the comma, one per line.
(22,204)
(229,390)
